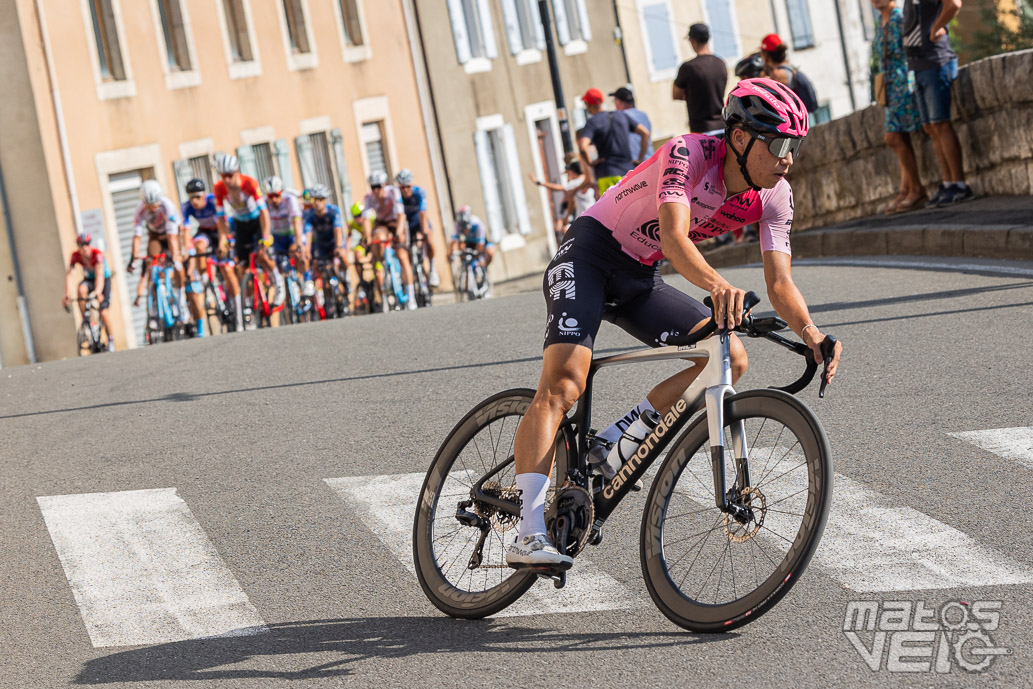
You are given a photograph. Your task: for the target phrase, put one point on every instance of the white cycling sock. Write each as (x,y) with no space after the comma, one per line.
(613,432)
(240,309)
(533,488)
(410,292)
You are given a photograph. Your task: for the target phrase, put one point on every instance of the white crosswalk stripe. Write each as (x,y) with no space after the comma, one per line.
(386,504)
(1011,443)
(142,570)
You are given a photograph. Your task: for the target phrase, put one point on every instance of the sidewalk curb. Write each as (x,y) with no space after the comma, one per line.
(1014,243)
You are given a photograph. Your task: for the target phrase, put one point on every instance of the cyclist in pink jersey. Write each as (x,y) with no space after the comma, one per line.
(694,187)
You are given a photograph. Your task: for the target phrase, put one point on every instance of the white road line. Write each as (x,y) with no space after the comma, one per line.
(872,545)
(1011,443)
(386,504)
(143,571)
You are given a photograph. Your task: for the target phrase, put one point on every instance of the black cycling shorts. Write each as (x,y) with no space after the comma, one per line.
(591,278)
(104,300)
(246,234)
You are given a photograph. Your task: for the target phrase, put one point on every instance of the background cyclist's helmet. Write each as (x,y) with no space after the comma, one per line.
(765,106)
(319,191)
(404,177)
(273,185)
(196,186)
(150,192)
(357,210)
(377,179)
(84,239)
(464,217)
(750,67)
(226,164)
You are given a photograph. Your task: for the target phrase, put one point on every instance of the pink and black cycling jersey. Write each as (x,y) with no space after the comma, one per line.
(688,170)
(161,220)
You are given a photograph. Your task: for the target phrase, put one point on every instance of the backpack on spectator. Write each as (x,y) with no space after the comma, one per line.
(803,88)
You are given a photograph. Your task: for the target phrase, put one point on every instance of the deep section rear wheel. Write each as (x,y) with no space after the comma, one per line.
(710,572)
(442,545)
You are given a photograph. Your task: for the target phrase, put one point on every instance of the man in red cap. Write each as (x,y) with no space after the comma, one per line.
(608,132)
(776,66)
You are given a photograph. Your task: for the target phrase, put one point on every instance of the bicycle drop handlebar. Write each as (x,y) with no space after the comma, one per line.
(767,328)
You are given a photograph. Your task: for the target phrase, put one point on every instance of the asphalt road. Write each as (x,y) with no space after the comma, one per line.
(247,430)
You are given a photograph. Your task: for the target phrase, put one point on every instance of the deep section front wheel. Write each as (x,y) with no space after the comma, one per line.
(463,575)
(712,571)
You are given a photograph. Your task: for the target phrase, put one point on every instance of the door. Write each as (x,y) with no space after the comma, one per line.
(124,188)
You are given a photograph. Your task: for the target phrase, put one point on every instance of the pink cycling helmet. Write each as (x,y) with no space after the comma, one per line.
(766,106)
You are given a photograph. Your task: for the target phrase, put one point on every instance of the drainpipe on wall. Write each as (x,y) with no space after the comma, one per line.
(429,109)
(846,57)
(23,310)
(62,135)
(619,35)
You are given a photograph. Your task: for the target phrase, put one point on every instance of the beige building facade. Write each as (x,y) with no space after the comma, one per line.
(495,113)
(107,93)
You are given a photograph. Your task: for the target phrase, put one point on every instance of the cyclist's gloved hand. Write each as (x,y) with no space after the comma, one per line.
(129,266)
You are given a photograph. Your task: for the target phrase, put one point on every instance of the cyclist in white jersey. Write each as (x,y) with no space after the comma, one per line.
(157,217)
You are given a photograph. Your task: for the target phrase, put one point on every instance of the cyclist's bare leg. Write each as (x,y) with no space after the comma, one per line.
(105,321)
(84,293)
(402,247)
(229,274)
(564,372)
(489,255)
(380,236)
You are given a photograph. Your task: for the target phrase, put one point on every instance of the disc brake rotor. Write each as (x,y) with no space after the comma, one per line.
(758,504)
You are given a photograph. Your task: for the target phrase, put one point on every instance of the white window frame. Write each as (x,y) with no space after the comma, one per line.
(108,90)
(196,148)
(545,110)
(111,163)
(572,46)
(474,64)
(297,61)
(178,79)
(507,237)
(730,61)
(353,53)
(511,19)
(663,74)
(240,70)
(260,135)
(375,109)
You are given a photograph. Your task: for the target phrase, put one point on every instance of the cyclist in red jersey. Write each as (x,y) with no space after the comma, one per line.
(242,213)
(96,282)
(607,267)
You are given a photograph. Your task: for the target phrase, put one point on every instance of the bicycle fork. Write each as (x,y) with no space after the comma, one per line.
(714,396)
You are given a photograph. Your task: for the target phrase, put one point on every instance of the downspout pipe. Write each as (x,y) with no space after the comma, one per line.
(23,311)
(846,56)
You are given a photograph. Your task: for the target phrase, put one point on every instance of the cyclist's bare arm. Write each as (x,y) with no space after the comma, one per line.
(263,222)
(174,248)
(224,231)
(134,251)
(789,304)
(689,262)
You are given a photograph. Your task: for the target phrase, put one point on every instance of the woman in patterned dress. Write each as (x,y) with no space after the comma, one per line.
(901,110)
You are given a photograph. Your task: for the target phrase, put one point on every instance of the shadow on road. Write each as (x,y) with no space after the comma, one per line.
(346,642)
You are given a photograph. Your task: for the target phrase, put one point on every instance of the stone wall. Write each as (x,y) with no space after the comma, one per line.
(846,170)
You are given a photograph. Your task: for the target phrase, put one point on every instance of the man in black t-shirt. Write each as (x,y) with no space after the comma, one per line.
(608,132)
(701,84)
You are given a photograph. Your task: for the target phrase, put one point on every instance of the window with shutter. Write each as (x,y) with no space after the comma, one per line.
(373,141)
(800,24)
(105,32)
(297,31)
(174,30)
(264,164)
(236,27)
(724,39)
(659,41)
(350,19)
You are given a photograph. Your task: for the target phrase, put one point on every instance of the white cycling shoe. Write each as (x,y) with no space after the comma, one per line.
(433,278)
(309,289)
(279,295)
(536,551)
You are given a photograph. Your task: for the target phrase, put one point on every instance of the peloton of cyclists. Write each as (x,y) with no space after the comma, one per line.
(96,282)
(289,238)
(384,221)
(156,215)
(414,201)
(242,214)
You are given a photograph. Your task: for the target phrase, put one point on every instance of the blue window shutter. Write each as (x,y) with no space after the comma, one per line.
(586,27)
(722,29)
(337,143)
(183,173)
(658,30)
(247,161)
(306,160)
(512,22)
(559,11)
(491,50)
(281,151)
(800,23)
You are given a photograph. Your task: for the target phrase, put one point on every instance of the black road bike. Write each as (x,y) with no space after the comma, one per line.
(732,518)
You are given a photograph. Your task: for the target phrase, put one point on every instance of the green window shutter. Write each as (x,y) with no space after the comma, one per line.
(247,161)
(337,142)
(306,160)
(282,153)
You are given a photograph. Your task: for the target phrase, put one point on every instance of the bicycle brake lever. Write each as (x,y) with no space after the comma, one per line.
(828,351)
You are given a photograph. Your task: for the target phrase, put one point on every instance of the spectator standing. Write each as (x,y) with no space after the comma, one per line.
(624,101)
(701,84)
(608,132)
(899,101)
(776,65)
(935,65)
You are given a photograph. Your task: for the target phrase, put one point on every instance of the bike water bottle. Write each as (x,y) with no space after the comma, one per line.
(629,442)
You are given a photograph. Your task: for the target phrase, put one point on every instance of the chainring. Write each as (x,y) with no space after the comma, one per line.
(575,502)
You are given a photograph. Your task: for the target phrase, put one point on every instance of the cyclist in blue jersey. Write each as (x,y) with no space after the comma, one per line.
(414,202)
(325,229)
(96,282)
(200,206)
(471,233)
